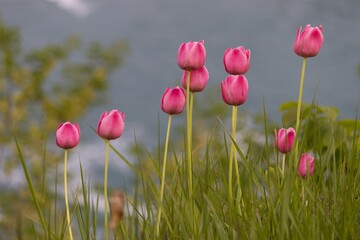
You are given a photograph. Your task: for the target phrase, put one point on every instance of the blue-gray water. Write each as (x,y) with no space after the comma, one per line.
(156,28)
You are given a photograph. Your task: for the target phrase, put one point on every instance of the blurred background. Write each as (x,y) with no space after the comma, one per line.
(128,50)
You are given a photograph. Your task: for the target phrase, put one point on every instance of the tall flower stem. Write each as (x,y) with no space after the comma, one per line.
(105,190)
(189,106)
(66,195)
(163,177)
(299,108)
(283,165)
(234,121)
(230,174)
(189,134)
(234,154)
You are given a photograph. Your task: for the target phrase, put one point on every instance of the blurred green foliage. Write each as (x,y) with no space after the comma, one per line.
(53,84)
(320,126)
(38,90)
(322,129)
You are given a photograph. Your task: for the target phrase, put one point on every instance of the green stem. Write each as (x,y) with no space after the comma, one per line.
(66,195)
(299,109)
(163,177)
(303,192)
(189,134)
(105,190)
(283,165)
(239,191)
(189,107)
(232,152)
(234,121)
(230,173)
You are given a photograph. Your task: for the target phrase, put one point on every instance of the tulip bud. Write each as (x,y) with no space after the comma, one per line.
(308,42)
(173,100)
(306,165)
(284,140)
(198,79)
(191,55)
(68,135)
(111,125)
(237,60)
(234,90)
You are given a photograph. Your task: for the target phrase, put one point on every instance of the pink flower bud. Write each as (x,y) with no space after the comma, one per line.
(237,60)
(191,55)
(306,165)
(198,79)
(67,135)
(308,42)
(234,90)
(111,125)
(284,139)
(173,100)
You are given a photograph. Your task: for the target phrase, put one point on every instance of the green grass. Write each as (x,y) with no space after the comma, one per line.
(323,206)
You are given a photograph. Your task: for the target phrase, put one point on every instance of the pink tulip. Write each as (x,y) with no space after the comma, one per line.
(191,55)
(237,60)
(173,100)
(67,135)
(308,42)
(284,139)
(234,90)
(307,165)
(111,125)
(198,79)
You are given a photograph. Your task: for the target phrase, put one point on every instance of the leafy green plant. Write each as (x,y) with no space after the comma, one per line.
(38,90)
(51,84)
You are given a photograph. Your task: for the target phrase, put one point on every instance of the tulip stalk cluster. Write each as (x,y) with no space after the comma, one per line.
(67,137)
(110,127)
(234,91)
(307,44)
(172,103)
(191,58)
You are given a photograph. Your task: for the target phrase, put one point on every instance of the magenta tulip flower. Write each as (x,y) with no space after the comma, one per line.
(308,42)
(191,55)
(284,140)
(68,135)
(234,90)
(173,100)
(237,60)
(307,165)
(111,125)
(198,79)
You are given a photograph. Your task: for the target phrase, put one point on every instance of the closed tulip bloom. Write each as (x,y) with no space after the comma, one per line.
(173,100)
(307,165)
(237,60)
(308,42)
(191,55)
(111,125)
(284,140)
(234,90)
(198,79)
(68,135)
